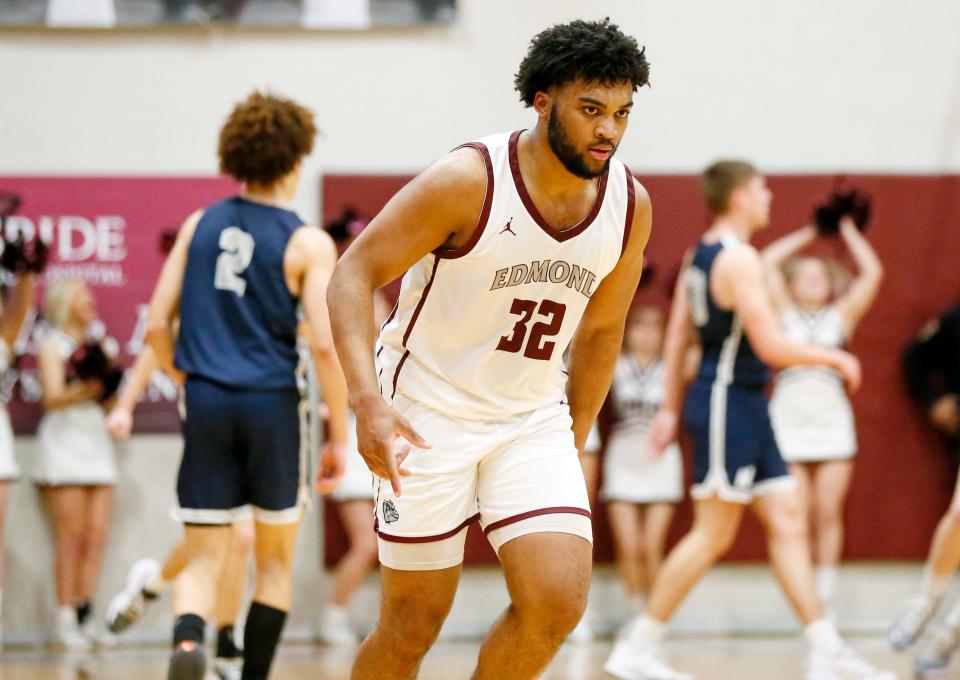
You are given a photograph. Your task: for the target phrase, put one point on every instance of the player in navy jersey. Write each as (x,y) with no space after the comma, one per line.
(515,247)
(238,277)
(722,301)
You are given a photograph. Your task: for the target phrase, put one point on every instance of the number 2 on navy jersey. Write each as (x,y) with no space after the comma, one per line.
(233,261)
(542,329)
(696,280)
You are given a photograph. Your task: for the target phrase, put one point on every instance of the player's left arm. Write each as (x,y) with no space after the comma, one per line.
(858,298)
(165,302)
(597,342)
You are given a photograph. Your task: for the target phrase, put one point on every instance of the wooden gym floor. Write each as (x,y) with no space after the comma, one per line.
(719,658)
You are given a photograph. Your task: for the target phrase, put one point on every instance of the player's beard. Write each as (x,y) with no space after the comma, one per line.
(565,150)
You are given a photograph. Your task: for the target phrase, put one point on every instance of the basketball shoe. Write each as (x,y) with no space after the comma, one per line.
(128,606)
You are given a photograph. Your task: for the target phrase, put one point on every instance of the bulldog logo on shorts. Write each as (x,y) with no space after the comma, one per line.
(390,513)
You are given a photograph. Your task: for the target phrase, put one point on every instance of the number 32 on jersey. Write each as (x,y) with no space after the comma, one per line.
(535,346)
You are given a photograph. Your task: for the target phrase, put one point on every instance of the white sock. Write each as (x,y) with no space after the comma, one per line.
(822,636)
(932,585)
(646,631)
(156,585)
(952,619)
(826,584)
(337,614)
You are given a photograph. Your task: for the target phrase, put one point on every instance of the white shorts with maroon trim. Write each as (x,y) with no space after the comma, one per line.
(517,477)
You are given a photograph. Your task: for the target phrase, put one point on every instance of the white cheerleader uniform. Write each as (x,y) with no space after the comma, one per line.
(812,417)
(630,472)
(9,470)
(357,482)
(74,447)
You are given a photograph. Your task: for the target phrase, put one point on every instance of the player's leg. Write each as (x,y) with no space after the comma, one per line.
(533,501)
(413,607)
(357,519)
(420,540)
(803,474)
(942,563)
(656,525)
(629,544)
(231,589)
(548,577)
(831,483)
(784,520)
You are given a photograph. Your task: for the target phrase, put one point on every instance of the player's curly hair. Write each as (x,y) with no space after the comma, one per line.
(589,50)
(264,138)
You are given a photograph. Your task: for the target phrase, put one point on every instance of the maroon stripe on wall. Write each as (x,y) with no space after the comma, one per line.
(631,207)
(429,539)
(451,253)
(557,234)
(536,513)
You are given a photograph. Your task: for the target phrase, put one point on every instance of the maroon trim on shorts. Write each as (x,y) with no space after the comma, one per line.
(452,253)
(536,513)
(631,207)
(429,539)
(556,234)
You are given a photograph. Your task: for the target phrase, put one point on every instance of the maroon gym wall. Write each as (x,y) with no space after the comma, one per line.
(904,473)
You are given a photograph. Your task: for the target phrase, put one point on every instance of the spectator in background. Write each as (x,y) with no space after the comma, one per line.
(932,366)
(641,488)
(76,464)
(13,311)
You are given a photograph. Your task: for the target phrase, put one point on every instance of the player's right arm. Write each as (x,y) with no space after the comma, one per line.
(439,208)
(165,302)
(120,420)
(738,275)
(676,344)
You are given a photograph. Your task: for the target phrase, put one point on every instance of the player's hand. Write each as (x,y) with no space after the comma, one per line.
(847,225)
(331,468)
(945,414)
(120,422)
(663,430)
(848,366)
(378,427)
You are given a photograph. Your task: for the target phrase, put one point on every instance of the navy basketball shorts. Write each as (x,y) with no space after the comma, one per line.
(735,454)
(242,451)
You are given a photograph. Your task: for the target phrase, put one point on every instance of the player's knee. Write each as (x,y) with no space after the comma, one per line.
(366,547)
(952,518)
(828,515)
(71,543)
(411,625)
(553,607)
(95,542)
(630,550)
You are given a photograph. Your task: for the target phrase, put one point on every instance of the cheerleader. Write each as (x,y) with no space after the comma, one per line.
(641,490)
(76,466)
(812,417)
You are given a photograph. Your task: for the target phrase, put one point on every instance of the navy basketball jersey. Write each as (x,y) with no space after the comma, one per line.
(727,354)
(238,319)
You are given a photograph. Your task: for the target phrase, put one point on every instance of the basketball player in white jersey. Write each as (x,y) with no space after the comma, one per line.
(723,300)
(513,246)
(811,414)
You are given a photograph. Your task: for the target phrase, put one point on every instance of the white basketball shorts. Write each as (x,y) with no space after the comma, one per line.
(518,476)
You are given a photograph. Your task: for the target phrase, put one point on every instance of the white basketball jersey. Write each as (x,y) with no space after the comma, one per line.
(637,394)
(479,331)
